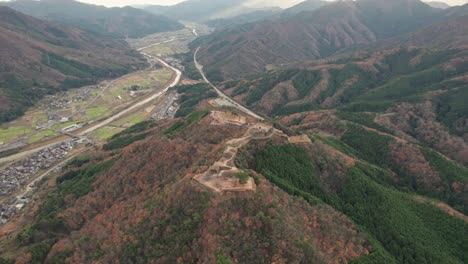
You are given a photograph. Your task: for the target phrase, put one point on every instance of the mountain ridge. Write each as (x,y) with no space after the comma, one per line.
(313,193)
(204,10)
(252,48)
(334,135)
(118,22)
(41,57)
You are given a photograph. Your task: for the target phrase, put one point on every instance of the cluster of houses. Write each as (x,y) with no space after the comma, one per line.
(63,100)
(17,175)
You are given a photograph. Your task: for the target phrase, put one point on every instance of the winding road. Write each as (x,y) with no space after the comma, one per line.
(109,119)
(140,103)
(220,93)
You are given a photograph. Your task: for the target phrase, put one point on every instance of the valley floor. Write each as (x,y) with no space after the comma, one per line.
(85,117)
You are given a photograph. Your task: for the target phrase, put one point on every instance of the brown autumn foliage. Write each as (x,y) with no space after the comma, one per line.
(412,160)
(322,122)
(279,95)
(418,123)
(146,208)
(333,165)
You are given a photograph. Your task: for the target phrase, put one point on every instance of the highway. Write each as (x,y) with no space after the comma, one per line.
(25,153)
(220,93)
(138,104)
(30,187)
(108,120)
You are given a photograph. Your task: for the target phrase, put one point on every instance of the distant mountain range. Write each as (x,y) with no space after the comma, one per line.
(120,22)
(204,10)
(39,57)
(255,47)
(266,13)
(307,5)
(362,157)
(246,18)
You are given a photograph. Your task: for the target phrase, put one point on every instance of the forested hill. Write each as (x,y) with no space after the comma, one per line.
(361,158)
(349,192)
(256,47)
(40,57)
(117,22)
(421,90)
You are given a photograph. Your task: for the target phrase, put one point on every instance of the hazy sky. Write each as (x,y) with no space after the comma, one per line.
(282,3)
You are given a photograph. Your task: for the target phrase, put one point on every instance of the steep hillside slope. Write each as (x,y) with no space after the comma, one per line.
(138,202)
(450,34)
(252,48)
(119,22)
(409,230)
(142,206)
(385,82)
(39,57)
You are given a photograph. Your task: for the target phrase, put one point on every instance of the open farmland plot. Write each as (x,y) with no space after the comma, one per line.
(106,132)
(97,112)
(22,127)
(11,133)
(146,79)
(166,49)
(119,125)
(81,106)
(119,92)
(163,38)
(131,120)
(38,118)
(41,135)
(63,125)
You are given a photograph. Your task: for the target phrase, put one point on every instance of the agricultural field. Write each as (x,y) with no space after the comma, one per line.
(25,125)
(131,120)
(171,42)
(41,135)
(63,125)
(96,112)
(83,105)
(38,118)
(185,33)
(166,49)
(10,133)
(119,91)
(106,132)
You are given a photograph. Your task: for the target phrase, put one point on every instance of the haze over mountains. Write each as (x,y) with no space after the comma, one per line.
(203,10)
(436,4)
(256,3)
(317,34)
(326,132)
(123,22)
